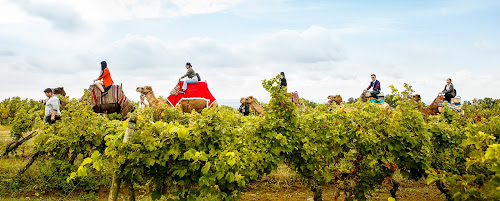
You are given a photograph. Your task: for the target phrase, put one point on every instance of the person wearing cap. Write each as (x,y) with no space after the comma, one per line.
(449,90)
(190,74)
(52,104)
(105,76)
(282,80)
(375,84)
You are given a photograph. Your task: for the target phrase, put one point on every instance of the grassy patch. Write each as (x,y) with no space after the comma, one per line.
(4,135)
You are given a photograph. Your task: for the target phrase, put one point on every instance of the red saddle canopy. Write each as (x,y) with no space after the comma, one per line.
(194,91)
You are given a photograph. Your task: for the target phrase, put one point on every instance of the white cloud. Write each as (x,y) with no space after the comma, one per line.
(188,7)
(62,16)
(10,13)
(316,62)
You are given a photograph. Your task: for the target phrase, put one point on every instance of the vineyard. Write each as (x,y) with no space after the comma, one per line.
(215,154)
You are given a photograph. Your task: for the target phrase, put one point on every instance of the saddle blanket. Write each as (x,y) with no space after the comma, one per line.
(194,91)
(115,95)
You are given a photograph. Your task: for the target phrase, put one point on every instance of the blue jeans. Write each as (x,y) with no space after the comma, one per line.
(188,81)
(374,93)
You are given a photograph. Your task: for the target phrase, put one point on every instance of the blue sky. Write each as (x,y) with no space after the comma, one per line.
(324,47)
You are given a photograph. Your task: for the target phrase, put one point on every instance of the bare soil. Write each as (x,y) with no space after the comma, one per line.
(409,190)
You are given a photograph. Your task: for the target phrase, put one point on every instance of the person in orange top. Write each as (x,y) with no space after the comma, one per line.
(105,77)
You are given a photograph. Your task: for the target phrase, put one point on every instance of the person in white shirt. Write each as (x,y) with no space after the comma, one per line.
(143,103)
(52,105)
(449,90)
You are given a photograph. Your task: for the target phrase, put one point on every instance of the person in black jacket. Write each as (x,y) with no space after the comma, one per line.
(282,80)
(244,108)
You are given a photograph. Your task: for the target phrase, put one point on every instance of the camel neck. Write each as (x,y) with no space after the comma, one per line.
(153,101)
(256,107)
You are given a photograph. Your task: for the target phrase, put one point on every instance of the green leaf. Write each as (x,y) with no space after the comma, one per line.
(155,195)
(206,168)
(95,155)
(86,161)
(82,171)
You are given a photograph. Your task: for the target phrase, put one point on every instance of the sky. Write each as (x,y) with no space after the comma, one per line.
(325,47)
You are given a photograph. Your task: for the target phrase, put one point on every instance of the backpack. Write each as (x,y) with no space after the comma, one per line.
(198,76)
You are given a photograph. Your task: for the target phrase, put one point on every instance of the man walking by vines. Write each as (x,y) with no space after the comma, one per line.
(52,111)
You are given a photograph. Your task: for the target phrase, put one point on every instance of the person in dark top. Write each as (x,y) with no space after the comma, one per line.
(282,80)
(190,74)
(449,90)
(244,108)
(375,84)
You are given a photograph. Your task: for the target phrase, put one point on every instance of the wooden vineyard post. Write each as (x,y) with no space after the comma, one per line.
(115,185)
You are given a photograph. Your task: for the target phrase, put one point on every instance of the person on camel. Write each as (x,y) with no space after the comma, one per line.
(282,80)
(105,76)
(190,74)
(375,85)
(449,90)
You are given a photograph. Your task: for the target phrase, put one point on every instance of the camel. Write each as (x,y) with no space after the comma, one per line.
(338,100)
(250,100)
(150,96)
(107,108)
(363,97)
(187,105)
(122,108)
(59,90)
(296,99)
(432,109)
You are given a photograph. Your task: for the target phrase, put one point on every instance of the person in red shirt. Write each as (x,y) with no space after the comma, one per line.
(105,77)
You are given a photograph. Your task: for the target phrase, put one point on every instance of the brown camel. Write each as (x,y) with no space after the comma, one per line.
(250,100)
(432,109)
(338,100)
(150,96)
(59,90)
(187,105)
(364,97)
(107,108)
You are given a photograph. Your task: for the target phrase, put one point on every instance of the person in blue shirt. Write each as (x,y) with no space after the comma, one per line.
(375,85)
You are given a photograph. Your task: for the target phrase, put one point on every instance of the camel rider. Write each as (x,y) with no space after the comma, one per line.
(375,85)
(106,79)
(282,80)
(449,90)
(190,74)
(244,108)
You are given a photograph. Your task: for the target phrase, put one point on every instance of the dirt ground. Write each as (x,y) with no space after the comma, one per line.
(295,191)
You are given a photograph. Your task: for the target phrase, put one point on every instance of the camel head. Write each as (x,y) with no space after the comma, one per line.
(337,98)
(363,97)
(59,90)
(242,100)
(439,99)
(415,97)
(144,90)
(248,100)
(175,90)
